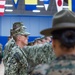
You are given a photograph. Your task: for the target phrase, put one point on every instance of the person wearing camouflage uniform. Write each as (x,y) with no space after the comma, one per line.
(17,63)
(11,43)
(39,54)
(40,69)
(1,53)
(36,54)
(2,68)
(63,41)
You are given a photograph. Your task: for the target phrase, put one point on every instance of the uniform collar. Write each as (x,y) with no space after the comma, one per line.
(66,57)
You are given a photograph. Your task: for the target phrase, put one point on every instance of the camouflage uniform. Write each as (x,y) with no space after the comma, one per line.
(40,69)
(8,47)
(1,53)
(63,65)
(11,43)
(39,54)
(17,62)
(0,48)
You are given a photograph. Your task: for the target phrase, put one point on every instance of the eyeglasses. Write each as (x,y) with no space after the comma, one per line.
(25,36)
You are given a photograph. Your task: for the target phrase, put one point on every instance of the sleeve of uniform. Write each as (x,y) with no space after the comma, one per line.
(6,53)
(48,52)
(17,64)
(11,67)
(9,45)
(40,54)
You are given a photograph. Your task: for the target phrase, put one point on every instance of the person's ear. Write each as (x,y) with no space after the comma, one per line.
(18,37)
(53,43)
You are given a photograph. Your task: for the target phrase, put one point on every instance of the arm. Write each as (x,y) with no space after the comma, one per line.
(17,64)
(39,54)
(11,67)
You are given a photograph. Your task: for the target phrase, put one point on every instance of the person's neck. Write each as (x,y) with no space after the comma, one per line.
(20,44)
(68,52)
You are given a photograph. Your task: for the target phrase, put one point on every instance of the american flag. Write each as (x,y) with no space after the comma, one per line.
(2,7)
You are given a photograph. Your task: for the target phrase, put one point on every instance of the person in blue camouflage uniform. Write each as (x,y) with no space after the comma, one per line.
(63,42)
(17,63)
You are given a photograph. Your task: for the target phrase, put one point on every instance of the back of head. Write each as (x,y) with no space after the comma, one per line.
(63,28)
(66,37)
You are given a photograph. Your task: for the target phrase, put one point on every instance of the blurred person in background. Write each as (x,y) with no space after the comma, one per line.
(48,39)
(2,68)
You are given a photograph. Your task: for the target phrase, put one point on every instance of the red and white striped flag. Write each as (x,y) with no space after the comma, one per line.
(2,7)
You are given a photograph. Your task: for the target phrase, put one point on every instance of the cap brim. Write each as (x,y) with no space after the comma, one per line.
(27,33)
(47,32)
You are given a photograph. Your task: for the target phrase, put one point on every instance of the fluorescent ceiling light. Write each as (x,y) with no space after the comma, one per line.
(40,6)
(8,5)
(36,11)
(8,10)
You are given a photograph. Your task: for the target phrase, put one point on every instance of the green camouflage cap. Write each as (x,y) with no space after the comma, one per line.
(20,31)
(17,25)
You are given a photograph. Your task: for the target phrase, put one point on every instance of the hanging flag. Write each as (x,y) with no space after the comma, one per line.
(59,5)
(30,4)
(73,5)
(46,4)
(2,7)
(15,2)
(70,4)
